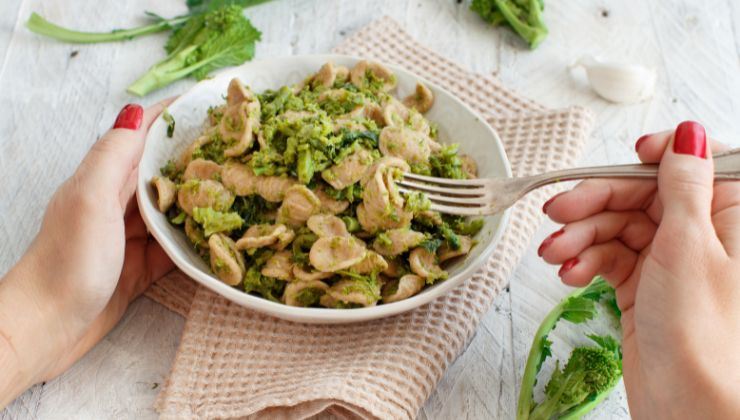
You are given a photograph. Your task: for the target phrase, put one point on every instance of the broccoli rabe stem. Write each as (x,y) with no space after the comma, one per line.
(536,356)
(41,26)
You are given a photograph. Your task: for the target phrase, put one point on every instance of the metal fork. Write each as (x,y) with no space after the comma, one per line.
(480,197)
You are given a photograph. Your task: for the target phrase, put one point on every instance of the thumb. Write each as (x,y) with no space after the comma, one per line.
(685,179)
(111,164)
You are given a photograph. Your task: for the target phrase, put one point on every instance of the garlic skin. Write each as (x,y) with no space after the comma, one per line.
(619,82)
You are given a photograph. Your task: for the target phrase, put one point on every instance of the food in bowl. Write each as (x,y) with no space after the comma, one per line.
(290,194)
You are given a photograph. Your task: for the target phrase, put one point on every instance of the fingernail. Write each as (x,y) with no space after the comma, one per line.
(130,117)
(568,265)
(640,141)
(548,202)
(549,241)
(690,139)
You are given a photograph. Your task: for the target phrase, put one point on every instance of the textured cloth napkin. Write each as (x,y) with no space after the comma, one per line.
(233,362)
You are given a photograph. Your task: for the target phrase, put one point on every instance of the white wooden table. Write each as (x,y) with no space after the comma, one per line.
(55,99)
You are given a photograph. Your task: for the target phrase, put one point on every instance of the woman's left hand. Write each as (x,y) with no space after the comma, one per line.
(91,258)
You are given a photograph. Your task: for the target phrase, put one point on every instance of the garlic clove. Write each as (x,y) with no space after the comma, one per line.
(619,82)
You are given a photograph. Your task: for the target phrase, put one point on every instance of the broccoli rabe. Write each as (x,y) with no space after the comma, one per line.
(215,221)
(220,38)
(446,163)
(268,287)
(523,16)
(589,375)
(208,37)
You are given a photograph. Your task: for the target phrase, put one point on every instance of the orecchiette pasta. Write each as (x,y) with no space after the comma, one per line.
(166,191)
(226,261)
(291,193)
(403,288)
(202,169)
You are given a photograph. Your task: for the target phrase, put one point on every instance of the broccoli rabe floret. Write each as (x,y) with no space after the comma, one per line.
(523,16)
(215,221)
(446,163)
(589,375)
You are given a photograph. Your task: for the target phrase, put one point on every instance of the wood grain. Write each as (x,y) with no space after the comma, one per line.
(55,104)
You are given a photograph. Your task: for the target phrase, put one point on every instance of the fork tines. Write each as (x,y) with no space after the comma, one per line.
(465,197)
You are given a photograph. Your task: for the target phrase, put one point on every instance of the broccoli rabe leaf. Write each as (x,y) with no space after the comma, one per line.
(267,287)
(199,6)
(221,37)
(431,244)
(215,221)
(453,241)
(253,209)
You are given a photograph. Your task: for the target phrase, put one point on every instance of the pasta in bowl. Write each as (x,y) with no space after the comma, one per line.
(285,197)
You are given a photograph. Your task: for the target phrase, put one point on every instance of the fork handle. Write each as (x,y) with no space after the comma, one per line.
(726,167)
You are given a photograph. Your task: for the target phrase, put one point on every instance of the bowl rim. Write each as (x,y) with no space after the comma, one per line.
(321,315)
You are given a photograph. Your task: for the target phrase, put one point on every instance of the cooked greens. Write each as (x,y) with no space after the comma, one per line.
(291,194)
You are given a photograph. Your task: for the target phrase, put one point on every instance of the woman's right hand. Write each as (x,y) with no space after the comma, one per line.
(671,248)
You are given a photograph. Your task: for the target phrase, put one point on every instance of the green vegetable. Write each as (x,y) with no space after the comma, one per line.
(170,170)
(523,16)
(431,244)
(208,37)
(215,221)
(468,227)
(219,38)
(41,26)
(268,287)
(453,241)
(170,120)
(589,375)
(446,163)
(352,224)
(309,296)
(179,219)
(213,150)
(417,202)
(252,209)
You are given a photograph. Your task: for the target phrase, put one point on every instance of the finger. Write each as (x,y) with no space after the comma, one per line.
(108,166)
(633,228)
(726,215)
(650,147)
(685,185)
(135,226)
(612,260)
(596,195)
(159,264)
(726,198)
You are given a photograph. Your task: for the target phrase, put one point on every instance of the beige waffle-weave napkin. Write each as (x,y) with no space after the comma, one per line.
(233,362)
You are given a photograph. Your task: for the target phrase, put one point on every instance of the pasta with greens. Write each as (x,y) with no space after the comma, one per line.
(291,194)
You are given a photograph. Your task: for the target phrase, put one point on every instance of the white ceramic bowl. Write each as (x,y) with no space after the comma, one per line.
(457,123)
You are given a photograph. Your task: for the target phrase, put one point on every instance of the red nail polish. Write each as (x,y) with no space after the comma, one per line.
(130,117)
(690,139)
(568,265)
(640,141)
(548,202)
(549,241)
